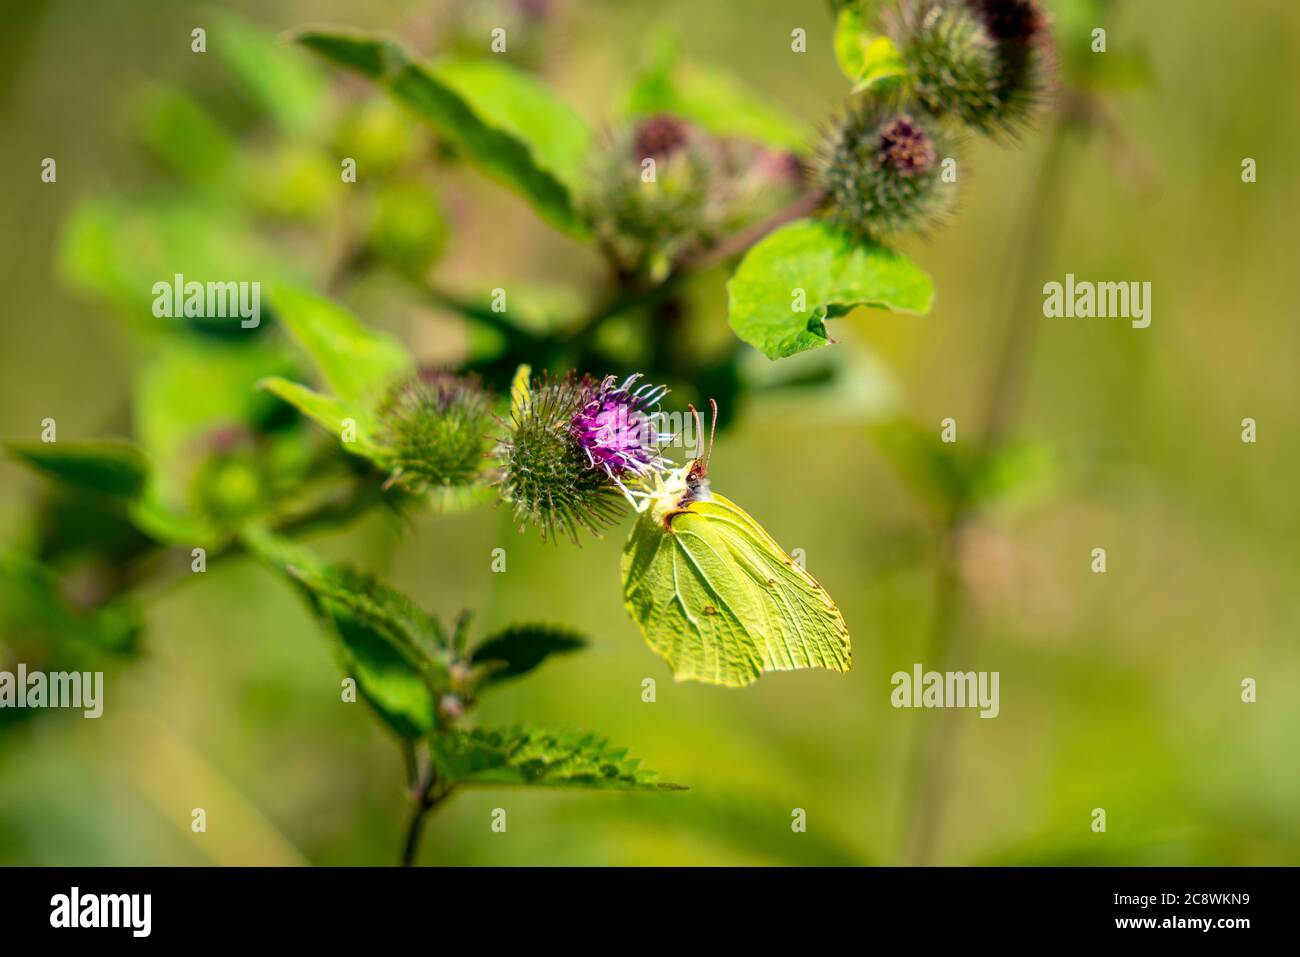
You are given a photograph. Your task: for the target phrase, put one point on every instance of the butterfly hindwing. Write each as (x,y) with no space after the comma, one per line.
(722,602)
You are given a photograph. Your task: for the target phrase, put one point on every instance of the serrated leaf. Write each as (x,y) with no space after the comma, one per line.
(358,364)
(810,264)
(394,651)
(537,758)
(497,151)
(112,467)
(518,649)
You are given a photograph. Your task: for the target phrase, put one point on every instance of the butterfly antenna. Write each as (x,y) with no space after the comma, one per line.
(713,430)
(699,429)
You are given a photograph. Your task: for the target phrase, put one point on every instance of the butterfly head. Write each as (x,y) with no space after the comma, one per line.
(676,490)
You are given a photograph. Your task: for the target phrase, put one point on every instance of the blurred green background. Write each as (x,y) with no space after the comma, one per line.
(1119,691)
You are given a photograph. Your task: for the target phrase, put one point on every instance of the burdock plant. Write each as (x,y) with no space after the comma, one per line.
(697,174)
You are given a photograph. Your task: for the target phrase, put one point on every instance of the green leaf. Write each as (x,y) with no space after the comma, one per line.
(191,398)
(358,363)
(537,758)
(280,82)
(497,151)
(713,99)
(864,57)
(517,650)
(330,412)
(118,251)
(509,99)
(394,651)
(192,387)
(807,272)
(113,467)
(32,605)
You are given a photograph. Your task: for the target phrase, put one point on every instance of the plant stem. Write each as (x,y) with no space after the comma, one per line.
(734,245)
(1021,318)
(930,771)
(426,791)
(414,830)
(695,260)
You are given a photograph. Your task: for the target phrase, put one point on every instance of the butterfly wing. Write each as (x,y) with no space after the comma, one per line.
(721,602)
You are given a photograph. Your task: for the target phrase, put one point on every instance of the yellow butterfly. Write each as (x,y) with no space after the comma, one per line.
(715,595)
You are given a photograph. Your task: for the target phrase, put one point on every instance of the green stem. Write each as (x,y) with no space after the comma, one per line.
(930,771)
(427,792)
(626,297)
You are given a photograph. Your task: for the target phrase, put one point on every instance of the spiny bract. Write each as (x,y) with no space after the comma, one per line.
(546,475)
(881,171)
(435,429)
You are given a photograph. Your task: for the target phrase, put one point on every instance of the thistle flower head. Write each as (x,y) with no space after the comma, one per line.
(435,429)
(1026,61)
(547,476)
(952,60)
(649,190)
(660,136)
(880,169)
(614,427)
(230,482)
(985,62)
(904,148)
(1021,21)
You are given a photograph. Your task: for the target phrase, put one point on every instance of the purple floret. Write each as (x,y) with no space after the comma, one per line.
(615,427)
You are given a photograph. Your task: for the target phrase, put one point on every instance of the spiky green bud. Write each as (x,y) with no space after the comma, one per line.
(648,193)
(1026,56)
(436,430)
(546,476)
(987,63)
(952,60)
(230,482)
(881,172)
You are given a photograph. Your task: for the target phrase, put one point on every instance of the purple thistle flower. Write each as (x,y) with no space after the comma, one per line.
(615,427)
